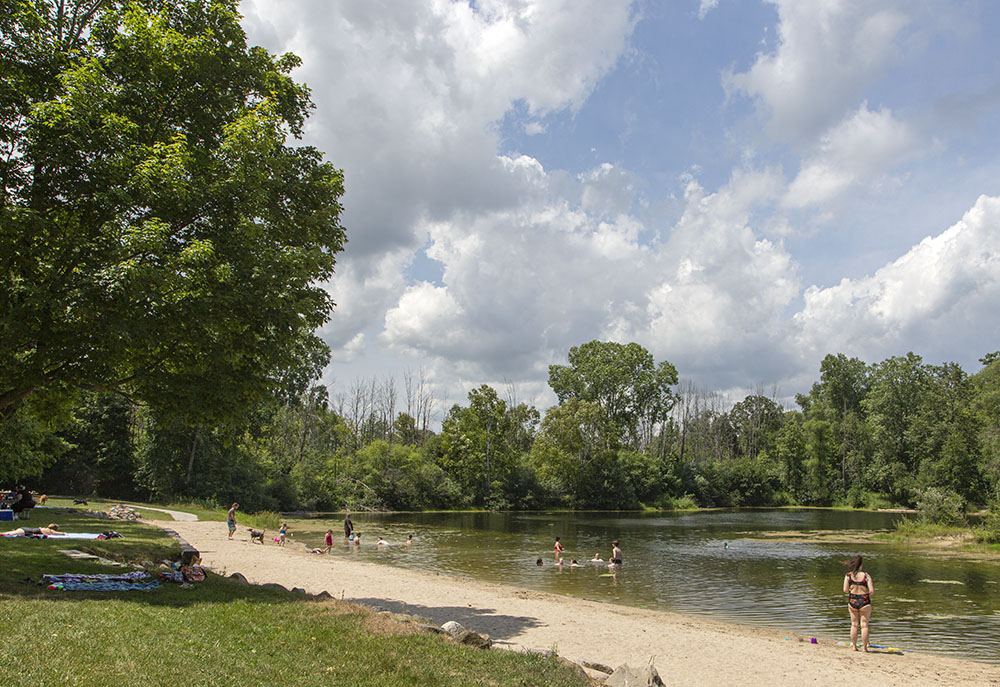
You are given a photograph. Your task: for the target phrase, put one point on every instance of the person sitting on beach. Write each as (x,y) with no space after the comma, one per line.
(329,540)
(51,531)
(859,589)
(616,556)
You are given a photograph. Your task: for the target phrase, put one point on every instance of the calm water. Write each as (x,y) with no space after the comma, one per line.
(678,562)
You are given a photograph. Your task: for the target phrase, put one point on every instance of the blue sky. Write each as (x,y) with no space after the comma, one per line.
(740,186)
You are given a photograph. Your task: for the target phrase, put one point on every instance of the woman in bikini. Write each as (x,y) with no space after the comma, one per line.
(859,589)
(51,531)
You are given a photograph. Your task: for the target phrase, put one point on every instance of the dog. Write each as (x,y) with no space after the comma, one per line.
(256,535)
(79,502)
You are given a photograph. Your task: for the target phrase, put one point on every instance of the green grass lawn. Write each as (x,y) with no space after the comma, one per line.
(218,632)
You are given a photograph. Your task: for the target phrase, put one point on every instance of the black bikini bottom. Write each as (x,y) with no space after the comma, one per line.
(859,601)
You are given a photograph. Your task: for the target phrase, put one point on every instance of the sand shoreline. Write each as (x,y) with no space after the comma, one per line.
(685,649)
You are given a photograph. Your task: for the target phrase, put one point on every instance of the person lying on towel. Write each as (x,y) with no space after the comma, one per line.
(51,531)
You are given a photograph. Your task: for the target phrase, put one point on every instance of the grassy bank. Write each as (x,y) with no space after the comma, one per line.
(218,632)
(916,532)
(264,520)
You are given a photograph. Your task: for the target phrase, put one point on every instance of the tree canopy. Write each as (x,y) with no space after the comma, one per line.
(158,234)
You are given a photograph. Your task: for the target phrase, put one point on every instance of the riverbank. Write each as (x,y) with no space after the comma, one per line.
(696,651)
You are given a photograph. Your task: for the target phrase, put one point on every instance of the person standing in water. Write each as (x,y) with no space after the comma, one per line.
(231,519)
(348,526)
(616,555)
(859,589)
(329,540)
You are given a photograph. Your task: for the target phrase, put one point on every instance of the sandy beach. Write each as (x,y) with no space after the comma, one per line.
(685,650)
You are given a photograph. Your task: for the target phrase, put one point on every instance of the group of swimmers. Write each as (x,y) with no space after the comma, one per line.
(614,562)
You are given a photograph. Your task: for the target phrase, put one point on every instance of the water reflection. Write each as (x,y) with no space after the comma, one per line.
(679,562)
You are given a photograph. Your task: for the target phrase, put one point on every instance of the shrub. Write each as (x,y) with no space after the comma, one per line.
(941,506)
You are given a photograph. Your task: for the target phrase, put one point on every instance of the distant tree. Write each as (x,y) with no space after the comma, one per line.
(632,390)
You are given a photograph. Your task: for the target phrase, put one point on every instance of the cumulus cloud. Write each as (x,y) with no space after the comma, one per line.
(944,289)
(827,54)
(521,287)
(858,150)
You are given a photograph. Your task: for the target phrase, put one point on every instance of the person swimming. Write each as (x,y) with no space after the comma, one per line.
(574,564)
(539,562)
(597,558)
(409,539)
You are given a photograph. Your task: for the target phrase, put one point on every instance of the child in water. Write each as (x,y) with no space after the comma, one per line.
(329,540)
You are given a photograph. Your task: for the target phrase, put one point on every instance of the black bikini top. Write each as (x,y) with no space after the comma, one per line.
(863,583)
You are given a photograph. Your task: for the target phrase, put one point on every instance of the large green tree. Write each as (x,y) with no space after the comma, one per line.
(632,390)
(158,233)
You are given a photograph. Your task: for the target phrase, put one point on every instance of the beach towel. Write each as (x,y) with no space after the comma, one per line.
(101,582)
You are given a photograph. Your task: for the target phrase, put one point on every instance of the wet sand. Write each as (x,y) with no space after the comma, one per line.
(685,650)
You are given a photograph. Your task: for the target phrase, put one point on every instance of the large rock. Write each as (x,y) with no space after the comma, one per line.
(239,577)
(595,665)
(627,676)
(470,638)
(453,627)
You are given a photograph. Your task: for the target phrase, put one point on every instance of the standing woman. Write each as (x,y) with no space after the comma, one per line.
(859,589)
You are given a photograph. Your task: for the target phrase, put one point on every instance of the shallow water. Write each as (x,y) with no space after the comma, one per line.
(678,562)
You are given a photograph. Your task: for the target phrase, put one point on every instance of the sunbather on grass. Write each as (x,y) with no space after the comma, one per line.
(51,531)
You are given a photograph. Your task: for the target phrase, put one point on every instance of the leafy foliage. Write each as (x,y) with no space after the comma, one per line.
(157,234)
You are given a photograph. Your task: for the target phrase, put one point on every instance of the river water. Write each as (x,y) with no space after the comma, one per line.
(680,562)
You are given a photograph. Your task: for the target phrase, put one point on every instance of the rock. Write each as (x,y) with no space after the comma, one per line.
(324,595)
(627,676)
(429,628)
(595,665)
(299,590)
(575,667)
(239,578)
(453,627)
(274,585)
(470,638)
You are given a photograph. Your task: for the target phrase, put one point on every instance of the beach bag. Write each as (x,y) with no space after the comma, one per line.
(193,573)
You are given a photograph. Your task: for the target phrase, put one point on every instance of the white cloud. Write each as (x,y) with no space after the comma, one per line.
(858,150)
(828,53)
(407,98)
(944,289)
(706,6)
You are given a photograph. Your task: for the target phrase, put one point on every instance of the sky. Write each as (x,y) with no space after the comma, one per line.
(740,186)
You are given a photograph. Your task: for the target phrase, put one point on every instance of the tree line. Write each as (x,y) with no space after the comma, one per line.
(623,435)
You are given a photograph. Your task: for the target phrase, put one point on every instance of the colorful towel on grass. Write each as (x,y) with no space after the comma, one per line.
(103,582)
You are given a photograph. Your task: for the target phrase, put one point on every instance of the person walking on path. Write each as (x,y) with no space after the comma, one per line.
(348,526)
(859,589)
(231,519)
